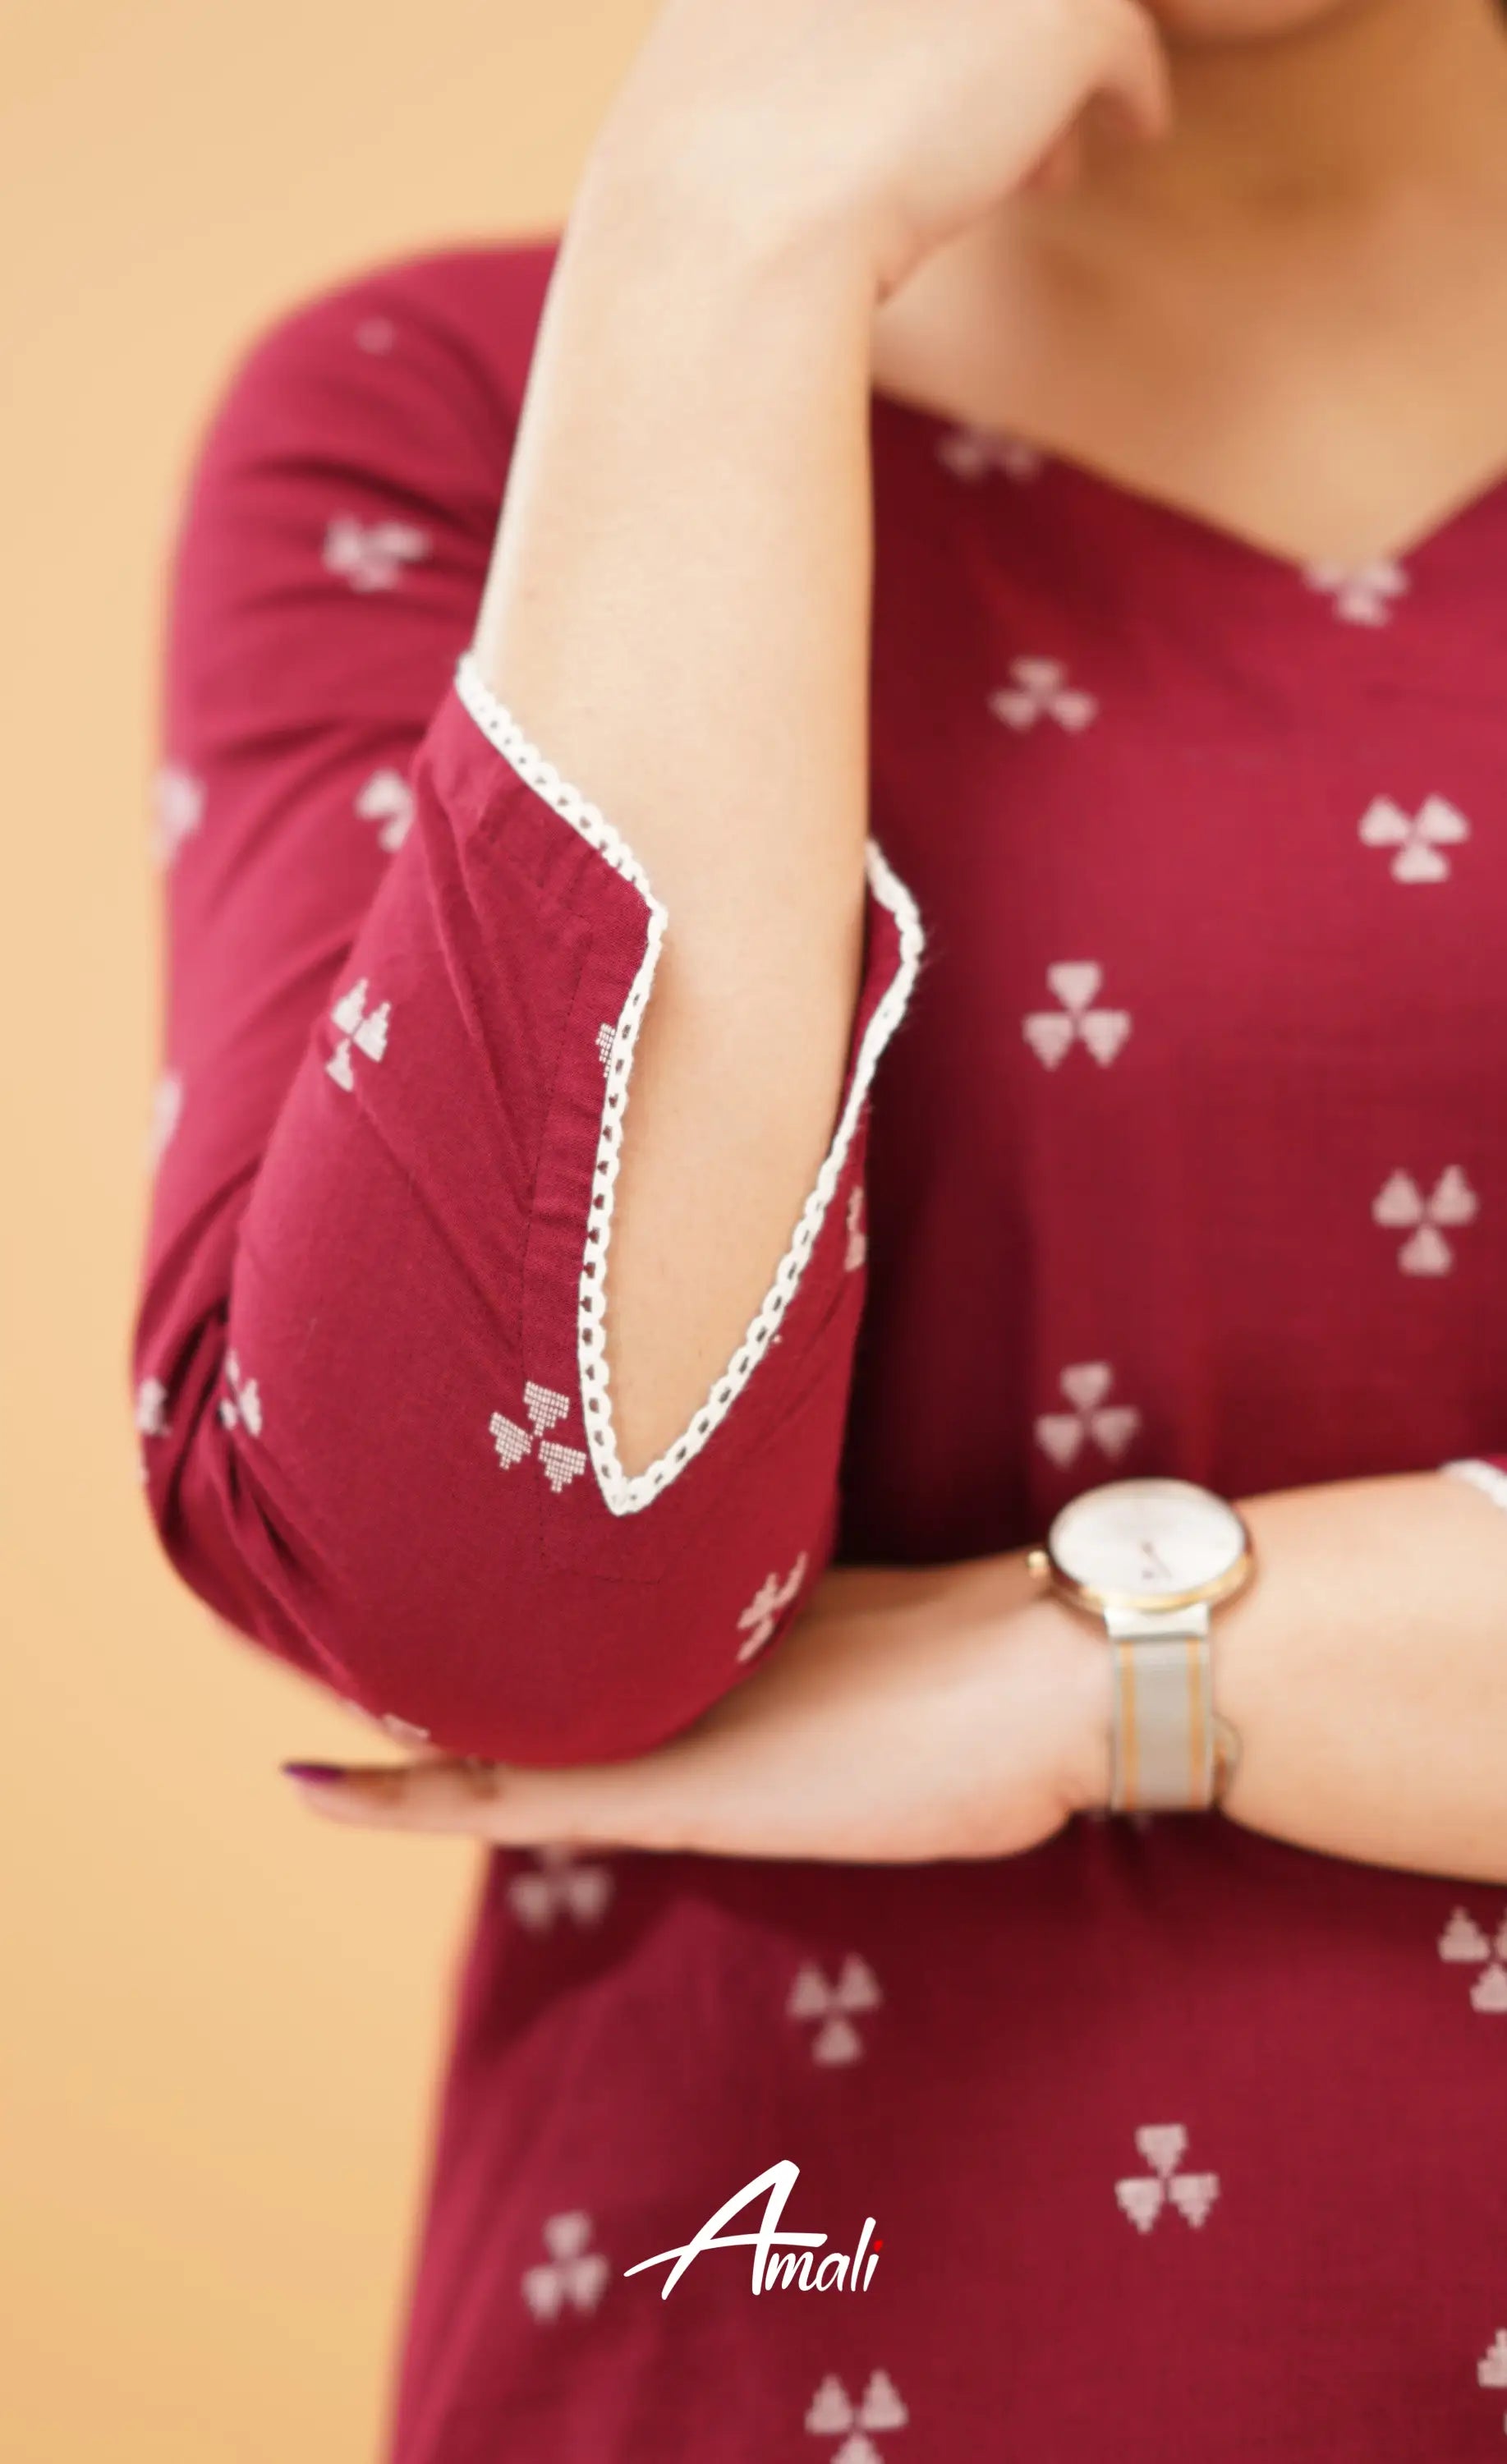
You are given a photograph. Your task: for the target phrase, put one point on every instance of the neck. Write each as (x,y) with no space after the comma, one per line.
(1371,100)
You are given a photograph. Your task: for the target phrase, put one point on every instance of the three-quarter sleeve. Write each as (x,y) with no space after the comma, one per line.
(405,968)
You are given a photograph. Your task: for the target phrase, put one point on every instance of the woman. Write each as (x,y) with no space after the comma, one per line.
(983,705)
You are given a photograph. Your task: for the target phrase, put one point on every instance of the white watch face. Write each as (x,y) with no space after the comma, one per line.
(1139,1539)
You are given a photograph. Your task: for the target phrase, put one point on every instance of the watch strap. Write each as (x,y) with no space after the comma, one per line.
(1169,1751)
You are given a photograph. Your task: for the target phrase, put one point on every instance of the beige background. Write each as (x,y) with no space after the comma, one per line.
(222,2018)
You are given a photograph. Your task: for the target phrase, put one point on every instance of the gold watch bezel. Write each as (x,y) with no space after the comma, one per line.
(1043,1565)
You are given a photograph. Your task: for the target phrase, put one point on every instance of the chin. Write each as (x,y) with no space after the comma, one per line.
(1241,21)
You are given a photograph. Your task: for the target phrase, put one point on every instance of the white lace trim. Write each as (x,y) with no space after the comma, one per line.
(623,1495)
(1485,1476)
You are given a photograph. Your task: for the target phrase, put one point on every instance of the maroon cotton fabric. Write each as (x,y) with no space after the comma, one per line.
(1173,1140)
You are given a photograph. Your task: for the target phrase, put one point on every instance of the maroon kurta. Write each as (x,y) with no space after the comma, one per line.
(1173,1140)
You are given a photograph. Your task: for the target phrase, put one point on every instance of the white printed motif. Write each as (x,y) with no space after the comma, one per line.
(558,1885)
(247,1405)
(573,2275)
(168,1104)
(177,809)
(1040,690)
(763,1610)
(366,1029)
(1051,1033)
(972,452)
(1143,2196)
(1416,837)
(833,2414)
(371,556)
(857,1238)
(1400,1206)
(1490,2370)
(150,1418)
(1110,1426)
(1467,1944)
(388,797)
(376,333)
(606,1038)
(560,1464)
(1360,593)
(832,2007)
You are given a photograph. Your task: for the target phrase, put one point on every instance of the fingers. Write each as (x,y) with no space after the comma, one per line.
(1130,97)
(432,1792)
(601,1805)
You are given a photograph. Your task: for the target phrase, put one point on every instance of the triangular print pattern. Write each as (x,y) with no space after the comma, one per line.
(1466,1944)
(574,2276)
(1364,593)
(387,799)
(1399,1205)
(758,1621)
(560,1885)
(1490,2370)
(1038,689)
(1144,2197)
(1052,1033)
(372,555)
(832,2414)
(1091,1421)
(244,1402)
(974,452)
(151,1417)
(1415,839)
(177,798)
(545,1406)
(366,1031)
(832,2008)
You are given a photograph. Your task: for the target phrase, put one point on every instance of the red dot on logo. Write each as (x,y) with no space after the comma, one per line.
(879,2245)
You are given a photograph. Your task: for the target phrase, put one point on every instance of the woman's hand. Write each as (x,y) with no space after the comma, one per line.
(907,1715)
(900,122)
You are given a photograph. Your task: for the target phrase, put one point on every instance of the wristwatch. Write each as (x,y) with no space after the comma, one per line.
(1151,1557)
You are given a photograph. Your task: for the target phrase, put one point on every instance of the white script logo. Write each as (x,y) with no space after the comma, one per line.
(771,2271)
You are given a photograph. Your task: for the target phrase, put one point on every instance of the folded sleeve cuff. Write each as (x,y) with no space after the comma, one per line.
(591,868)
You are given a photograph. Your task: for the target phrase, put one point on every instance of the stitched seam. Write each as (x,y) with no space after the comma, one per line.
(526,1259)
(620,1494)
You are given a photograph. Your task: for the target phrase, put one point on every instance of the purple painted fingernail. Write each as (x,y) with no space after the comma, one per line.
(316,1772)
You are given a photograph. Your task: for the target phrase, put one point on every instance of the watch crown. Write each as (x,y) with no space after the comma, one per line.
(1036,1564)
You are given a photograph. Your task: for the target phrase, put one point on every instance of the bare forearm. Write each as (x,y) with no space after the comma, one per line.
(1365,1670)
(677,613)
(956,1710)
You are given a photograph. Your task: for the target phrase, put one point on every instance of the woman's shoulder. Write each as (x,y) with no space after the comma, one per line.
(467,310)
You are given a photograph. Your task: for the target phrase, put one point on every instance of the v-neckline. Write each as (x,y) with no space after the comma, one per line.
(1205,529)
